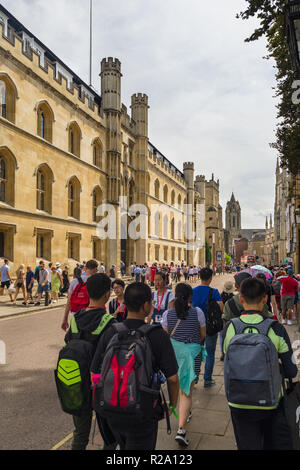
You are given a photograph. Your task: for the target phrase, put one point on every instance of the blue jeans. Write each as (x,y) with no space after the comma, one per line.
(210,345)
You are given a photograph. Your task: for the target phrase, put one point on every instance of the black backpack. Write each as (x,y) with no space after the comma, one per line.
(72,375)
(129,387)
(214,322)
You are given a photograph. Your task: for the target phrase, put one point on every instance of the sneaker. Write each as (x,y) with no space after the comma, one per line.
(289,322)
(209,383)
(283,321)
(54,301)
(181,438)
(189,417)
(37,304)
(222,357)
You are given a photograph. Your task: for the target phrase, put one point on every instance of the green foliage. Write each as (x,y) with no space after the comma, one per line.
(270,13)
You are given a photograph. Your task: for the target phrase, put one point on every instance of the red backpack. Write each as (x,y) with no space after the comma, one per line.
(79,297)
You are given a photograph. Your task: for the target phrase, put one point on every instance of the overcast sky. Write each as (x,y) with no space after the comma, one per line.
(210,94)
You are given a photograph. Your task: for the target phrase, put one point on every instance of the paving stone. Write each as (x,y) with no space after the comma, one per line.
(216,443)
(209,422)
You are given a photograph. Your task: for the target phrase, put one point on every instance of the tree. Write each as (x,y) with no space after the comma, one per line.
(271,13)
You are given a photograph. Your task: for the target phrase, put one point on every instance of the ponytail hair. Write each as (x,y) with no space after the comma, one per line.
(183,292)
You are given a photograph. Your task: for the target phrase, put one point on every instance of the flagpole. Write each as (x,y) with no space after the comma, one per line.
(91,18)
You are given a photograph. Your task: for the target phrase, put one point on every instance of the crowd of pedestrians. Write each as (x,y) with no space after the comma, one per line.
(181,327)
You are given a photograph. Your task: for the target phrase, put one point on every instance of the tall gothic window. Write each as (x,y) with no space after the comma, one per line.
(44,121)
(2,99)
(74,139)
(44,180)
(3,180)
(74,198)
(8,96)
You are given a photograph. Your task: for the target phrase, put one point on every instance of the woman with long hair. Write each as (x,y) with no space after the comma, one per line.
(20,284)
(186,326)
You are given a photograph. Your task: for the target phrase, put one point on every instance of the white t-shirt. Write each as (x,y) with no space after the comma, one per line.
(4,270)
(158,301)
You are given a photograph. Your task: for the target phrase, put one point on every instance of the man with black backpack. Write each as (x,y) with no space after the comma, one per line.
(253,345)
(127,369)
(210,302)
(73,369)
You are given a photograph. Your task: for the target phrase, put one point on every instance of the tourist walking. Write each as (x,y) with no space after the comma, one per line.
(226,294)
(29,284)
(161,298)
(116,306)
(186,327)
(65,281)
(258,418)
(5,278)
(113,272)
(56,283)
(200,299)
(141,433)
(288,292)
(43,284)
(20,284)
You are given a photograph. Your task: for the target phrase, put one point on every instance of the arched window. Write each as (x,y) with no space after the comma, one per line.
(157,224)
(97,153)
(41,190)
(165,193)
(156,188)
(8,166)
(8,96)
(74,198)
(173,197)
(2,99)
(173,229)
(97,199)
(45,118)
(179,201)
(3,181)
(44,180)
(74,139)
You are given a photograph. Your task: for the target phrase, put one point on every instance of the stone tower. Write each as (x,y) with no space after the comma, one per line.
(111,107)
(233,221)
(139,114)
(188,172)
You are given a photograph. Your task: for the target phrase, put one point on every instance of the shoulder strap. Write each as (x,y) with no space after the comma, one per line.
(167,298)
(106,318)
(74,327)
(146,329)
(233,307)
(263,327)
(210,294)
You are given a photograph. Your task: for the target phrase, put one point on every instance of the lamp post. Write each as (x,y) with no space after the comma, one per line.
(292,20)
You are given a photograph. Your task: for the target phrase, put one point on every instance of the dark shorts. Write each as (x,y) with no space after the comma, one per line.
(5,284)
(44,288)
(20,284)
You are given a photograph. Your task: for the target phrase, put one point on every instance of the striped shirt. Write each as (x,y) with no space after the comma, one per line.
(188,330)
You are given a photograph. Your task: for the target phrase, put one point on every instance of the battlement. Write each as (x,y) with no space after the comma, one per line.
(110,64)
(27,50)
(188,166)
(200,179)
(139,98)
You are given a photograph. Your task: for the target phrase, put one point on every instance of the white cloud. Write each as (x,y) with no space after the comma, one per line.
(209,92)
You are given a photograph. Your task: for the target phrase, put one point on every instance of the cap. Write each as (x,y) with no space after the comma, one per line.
(240,277)
(229,287)
(57,264)
(290,271)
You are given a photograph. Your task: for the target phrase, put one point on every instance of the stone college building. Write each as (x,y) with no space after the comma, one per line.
(65,150)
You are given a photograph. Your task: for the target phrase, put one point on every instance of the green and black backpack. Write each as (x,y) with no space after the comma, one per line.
(72,374)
